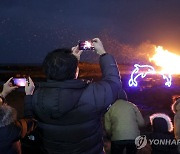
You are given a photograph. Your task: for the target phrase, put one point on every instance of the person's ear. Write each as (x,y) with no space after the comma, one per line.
(1,101)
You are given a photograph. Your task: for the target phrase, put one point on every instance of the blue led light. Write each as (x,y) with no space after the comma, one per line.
(168,79)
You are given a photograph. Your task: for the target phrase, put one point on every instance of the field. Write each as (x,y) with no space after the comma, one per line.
(150,96)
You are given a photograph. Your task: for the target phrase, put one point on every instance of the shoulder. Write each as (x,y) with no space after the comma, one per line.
(11,131)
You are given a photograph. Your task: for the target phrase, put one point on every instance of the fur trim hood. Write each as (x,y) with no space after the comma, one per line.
(7,115)
(161,122)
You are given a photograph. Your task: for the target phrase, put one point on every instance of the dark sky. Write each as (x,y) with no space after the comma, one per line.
(29,29)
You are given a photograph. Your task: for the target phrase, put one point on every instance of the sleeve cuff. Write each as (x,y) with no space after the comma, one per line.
(103,54)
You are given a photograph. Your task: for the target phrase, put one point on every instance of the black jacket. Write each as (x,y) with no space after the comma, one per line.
(69,112)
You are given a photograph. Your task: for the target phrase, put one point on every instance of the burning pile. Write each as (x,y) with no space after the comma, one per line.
(167,61)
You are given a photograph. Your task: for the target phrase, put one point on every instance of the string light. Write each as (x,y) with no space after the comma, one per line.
(142,71)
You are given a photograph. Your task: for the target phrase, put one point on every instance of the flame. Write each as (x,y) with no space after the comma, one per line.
(168,61)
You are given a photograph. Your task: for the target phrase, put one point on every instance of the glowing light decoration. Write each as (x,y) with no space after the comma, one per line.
(167,61)
(168,79)
(142,71)
(139,72)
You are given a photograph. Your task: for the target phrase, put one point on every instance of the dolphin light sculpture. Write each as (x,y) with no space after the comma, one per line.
(140,71)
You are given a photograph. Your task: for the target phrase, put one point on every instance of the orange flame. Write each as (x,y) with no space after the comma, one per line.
(168,61)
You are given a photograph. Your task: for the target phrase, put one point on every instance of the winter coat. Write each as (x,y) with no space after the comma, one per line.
(123,121)
(161,133)
(69,112)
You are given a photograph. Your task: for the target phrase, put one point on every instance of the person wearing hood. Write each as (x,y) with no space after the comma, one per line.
(69,110)
(11,129)
(162,130)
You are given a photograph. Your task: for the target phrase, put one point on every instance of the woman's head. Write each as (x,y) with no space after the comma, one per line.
(176,104)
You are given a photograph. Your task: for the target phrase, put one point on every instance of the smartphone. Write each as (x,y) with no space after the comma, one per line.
(20,82)
(86,45)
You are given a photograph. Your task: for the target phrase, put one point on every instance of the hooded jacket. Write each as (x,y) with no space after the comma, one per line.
(69,112)
(162,131)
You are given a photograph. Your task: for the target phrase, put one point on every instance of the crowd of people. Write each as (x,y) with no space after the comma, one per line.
(71,115)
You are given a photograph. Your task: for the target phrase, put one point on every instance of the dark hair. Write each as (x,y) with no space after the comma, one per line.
(60,64)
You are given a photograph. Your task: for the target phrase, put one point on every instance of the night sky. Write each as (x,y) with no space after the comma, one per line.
(129,29)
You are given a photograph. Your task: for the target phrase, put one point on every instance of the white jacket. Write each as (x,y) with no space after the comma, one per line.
(123,120)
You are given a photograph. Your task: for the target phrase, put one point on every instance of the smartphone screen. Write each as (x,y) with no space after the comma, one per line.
(20,82)
(86,45)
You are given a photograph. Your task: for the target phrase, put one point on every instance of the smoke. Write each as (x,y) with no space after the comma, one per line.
(126,53)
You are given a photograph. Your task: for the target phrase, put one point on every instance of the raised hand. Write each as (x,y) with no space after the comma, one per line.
(29,87)
(8,88)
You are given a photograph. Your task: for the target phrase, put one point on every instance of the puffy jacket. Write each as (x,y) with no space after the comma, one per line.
(69,112)
(123,121)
